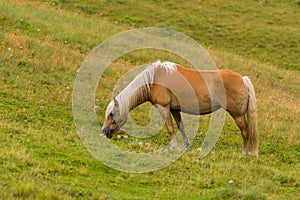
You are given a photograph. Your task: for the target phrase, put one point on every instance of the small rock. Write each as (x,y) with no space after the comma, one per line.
(230,181)
(205,165)
(140,143)
(166,151)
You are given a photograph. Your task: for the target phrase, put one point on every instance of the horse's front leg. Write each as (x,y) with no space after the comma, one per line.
(177,116)
(166,115)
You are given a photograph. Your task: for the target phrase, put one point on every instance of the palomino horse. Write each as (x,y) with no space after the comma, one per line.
(166,84)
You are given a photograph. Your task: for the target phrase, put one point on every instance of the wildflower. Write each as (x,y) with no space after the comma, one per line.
(96,108)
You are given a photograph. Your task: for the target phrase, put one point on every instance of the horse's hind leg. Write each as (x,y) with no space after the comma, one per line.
(242,124)
(180,125)
(166,115)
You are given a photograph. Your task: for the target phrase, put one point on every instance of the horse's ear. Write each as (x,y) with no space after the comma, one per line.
(116,104)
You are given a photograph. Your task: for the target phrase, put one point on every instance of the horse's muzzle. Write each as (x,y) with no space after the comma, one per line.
(107,132)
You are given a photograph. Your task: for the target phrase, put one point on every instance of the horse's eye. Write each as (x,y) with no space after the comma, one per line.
(111,115)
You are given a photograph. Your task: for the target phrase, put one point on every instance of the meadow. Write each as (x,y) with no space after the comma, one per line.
(43,44)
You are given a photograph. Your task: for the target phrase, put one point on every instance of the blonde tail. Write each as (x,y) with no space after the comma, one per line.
(251,116)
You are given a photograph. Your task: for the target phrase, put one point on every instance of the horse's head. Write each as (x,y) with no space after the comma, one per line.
(113,119)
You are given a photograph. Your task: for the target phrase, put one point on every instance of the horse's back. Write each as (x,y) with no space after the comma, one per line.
(200,91)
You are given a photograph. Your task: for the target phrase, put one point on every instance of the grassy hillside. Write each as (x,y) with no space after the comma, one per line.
(267,31)
(42,46)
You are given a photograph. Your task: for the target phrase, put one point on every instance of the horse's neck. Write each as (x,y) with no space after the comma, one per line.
(130,99)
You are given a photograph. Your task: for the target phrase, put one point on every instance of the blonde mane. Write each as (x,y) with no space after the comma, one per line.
(138,90)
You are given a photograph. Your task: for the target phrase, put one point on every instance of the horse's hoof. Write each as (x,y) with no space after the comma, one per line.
(253,154)
(187,147)
(250,153)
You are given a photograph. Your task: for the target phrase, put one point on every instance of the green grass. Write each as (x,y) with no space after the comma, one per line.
(42,46)
(267,31)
